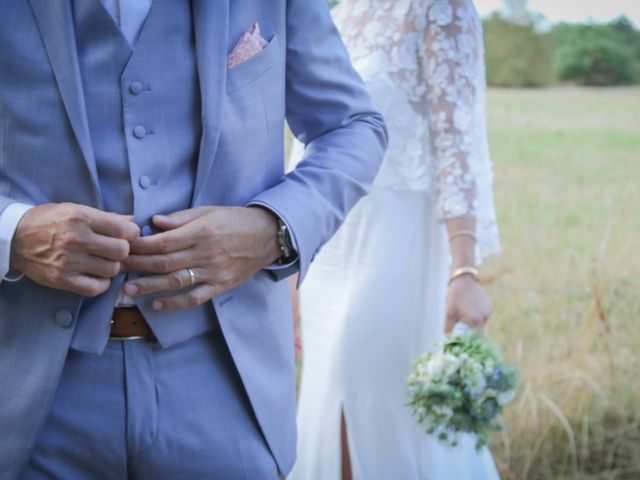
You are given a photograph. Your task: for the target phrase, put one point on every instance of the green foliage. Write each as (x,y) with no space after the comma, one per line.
(627,34)
(596,54)
(516,54)
(519,53)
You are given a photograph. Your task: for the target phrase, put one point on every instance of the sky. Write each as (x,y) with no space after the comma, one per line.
(574,10)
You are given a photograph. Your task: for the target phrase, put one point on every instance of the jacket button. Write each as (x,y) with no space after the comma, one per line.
(146,230)
(144,182)
(139,131)
(135,88)
(64,318)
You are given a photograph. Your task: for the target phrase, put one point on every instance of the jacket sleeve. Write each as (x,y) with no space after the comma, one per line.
(329,110)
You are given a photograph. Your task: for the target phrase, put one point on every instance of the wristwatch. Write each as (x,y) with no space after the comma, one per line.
(286,245)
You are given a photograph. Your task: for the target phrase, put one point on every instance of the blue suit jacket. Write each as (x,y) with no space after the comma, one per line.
(304,76)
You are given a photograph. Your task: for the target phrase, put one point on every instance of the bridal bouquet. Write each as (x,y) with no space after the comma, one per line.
(461,387)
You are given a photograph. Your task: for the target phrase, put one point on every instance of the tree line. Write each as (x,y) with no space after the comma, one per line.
(521,54)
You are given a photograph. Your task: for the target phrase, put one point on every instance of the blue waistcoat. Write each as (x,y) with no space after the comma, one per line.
(144,113)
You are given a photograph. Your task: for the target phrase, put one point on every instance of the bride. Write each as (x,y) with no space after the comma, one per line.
(401,270)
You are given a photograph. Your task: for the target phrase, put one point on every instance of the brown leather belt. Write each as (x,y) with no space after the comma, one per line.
(128,323)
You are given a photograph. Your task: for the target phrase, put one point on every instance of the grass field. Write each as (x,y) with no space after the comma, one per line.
(566,288)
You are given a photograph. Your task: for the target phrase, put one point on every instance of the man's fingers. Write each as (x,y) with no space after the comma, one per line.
(176,280)
(159,263)
(97,267)
(108,247)
(165,242)
(113,225)
(86,285)
(178,219)
(193,298)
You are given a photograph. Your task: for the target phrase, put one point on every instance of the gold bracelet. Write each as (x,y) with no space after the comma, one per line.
(466,233)
(465,271)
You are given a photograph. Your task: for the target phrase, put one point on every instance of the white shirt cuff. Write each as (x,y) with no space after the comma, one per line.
(9,220)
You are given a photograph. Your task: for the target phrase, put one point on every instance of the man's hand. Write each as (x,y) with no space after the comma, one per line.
(72,247)
(467,302)
(223,247)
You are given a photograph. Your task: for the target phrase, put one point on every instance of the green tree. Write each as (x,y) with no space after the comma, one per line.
(594,54)
(517,55)
(629,35)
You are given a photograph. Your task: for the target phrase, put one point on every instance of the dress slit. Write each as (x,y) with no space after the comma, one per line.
(345,451)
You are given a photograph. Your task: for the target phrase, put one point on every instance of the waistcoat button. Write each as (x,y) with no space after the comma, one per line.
(135,88)
(144,182)
(139,131)
(63,317)
(146,230)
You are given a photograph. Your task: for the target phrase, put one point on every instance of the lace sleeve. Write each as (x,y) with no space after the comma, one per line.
(453,71)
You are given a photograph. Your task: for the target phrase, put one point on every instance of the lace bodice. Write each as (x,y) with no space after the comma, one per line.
(422,61)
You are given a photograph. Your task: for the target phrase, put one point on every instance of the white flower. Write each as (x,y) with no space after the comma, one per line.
(404,56)
(443,366)
(441,12)
(372,30)
(505,397)
(452,363)
(462,119)
(400,8)
(467,46)
(475,383)
(435,368)
(488,367)
(359,8)
(422,373)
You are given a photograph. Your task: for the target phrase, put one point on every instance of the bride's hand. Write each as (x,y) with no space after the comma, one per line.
(466,302)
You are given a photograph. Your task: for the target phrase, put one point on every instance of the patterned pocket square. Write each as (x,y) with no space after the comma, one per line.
(250,44)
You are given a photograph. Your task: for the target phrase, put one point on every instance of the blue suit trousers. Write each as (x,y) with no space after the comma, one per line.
(143,412)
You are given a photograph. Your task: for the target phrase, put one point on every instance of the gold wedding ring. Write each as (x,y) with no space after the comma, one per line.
(192,277)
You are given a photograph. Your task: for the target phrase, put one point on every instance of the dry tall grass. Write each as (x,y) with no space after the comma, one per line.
(566,287)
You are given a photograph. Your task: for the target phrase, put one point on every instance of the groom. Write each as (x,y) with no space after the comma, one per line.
(145,223)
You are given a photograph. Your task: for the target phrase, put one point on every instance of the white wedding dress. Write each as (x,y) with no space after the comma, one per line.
(374,298)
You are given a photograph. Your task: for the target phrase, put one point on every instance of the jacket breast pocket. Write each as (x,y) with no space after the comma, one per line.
(250,71)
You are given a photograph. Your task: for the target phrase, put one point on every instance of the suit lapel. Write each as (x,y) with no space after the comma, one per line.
(211,25)
(55,21)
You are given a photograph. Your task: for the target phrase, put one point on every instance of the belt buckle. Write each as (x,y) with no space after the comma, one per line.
(124,339)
